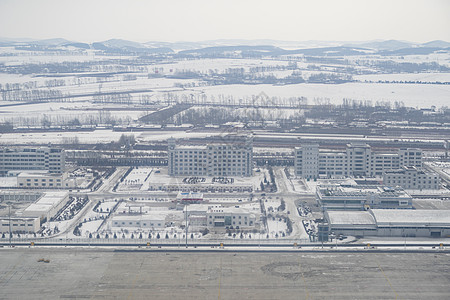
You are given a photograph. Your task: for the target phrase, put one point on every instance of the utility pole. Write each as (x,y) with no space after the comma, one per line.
(10,225)
(186,225)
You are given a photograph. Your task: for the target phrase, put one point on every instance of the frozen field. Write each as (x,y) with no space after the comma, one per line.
(411,94)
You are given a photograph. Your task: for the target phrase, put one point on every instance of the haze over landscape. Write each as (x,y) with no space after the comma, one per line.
(232,149)
(199,20)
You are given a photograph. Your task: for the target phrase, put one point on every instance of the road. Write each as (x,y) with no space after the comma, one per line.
(291,198)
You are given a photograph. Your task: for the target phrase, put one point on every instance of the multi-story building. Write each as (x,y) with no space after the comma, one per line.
(307,161)
(41,179)
(215,159)
(411,178)
(31,158)
(357,160)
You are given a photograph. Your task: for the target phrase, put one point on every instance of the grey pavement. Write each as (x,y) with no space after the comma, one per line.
(106,274)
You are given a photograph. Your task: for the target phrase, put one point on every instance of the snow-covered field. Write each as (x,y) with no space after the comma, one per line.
(424,77)
(420,95)
(136,180)
(276,227)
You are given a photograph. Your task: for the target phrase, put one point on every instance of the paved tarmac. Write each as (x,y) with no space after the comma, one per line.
(77,273)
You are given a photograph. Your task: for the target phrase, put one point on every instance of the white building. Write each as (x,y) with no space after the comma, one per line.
(139,221)
(307,161)
(32,158)
(411,178)
(20,224)
(340,197)
(390,222)
(233,158)
(48,205)
(357,160)
(41,179)
(221,217)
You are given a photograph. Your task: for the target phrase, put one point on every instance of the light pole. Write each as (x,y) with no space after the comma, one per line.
(10,233)
(186,224)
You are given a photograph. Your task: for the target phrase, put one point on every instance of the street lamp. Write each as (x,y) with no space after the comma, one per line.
(186,224)
(10,233)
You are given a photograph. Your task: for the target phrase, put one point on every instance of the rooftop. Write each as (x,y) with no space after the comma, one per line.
(350,217)
(410,216)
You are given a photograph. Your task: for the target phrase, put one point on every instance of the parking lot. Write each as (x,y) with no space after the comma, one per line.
(105,274)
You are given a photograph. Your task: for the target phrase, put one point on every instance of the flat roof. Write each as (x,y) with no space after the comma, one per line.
(411,216)
(350,217)
(144,217)
(52,198)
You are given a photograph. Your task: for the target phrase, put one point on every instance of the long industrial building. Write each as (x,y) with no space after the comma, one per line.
(357,160)
(228,158)
(390,223)
(31,158)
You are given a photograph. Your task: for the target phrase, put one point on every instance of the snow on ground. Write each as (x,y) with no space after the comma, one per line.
(90,227)
(106,206)
(138,179)
(162,178)
(443,166)
(272,203)
(424,77)
(217,65)
(411,94)
(276,227)
(90,137)
(298,184)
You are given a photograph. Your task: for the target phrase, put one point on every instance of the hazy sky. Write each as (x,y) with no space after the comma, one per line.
(196,20)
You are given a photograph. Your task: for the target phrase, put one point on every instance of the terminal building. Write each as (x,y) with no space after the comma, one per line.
(234,158)
(390,223)
(357,160)
(412,178)
(219,218)
(361,197)
(31,158)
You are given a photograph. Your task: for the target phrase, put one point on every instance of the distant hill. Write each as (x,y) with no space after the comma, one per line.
(119,43)
(124,46)
(224,49)
(248,48)
(386,45)
(413,51)
(51,42)
(78,45)
(437,44)
(272,50)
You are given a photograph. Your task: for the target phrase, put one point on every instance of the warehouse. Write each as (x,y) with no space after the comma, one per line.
(390,223)
(48,205)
